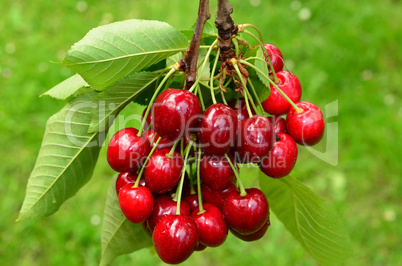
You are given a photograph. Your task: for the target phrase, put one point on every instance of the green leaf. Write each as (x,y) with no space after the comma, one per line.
(308,218)
(66,159)
(66,88)
(262,65)
(119,236)
(114,98)
(110,52)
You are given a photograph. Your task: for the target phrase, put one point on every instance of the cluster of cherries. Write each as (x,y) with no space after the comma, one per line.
(156,185)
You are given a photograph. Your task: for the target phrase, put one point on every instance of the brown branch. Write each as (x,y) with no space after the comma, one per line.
(226,28)
(191,57)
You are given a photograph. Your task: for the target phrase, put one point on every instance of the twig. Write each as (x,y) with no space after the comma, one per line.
(226,28)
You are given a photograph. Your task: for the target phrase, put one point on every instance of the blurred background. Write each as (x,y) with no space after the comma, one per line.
(347,52)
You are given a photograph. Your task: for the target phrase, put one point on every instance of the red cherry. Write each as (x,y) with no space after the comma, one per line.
(164,205)
(281,159)
(200,247)
(163,172)
(216,197)
(276,56)
(240,107)
(279,124)
(192,200)
(163,143)
(276,104)
(136,203)
(175,113)
(212,227)
(215,172)
(255,139)
(307,127)
(127,152)
(254,236)
(175,238)
(246,214)
(218,129)
(127,178)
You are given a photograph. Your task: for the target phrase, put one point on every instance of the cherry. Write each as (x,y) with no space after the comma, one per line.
(127,152)
(215,172)
(192,200)
(276,104)
(218,129)
(254,236)
(306,127)
(175,238)
(127,178)
(246,214)
(212,227)
(163,171)
(276,56)
(136,203)
(175,112)
(279,124)
(281,159)
(200,247)
(216,197)
(255,139)
(240,107)
(152,139)
(165,205)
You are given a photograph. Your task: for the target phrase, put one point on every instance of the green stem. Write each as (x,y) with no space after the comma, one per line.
(180,186)
(252,101)
(241,187)
(236,45)
(137,182)
(223,98)
(201,98)
(256,95)
(212,46)
(256,28)
(170,154)
(298,110)
(190,176)
(244,88)
(171,72)
(212,76)
(201,208)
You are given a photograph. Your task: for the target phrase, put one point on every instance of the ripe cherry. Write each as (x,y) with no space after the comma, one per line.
(276,104)
(276,56)
(216,197)
(136,203)
(254,236)
(246,214)
(127,152)
(175,113)
(127,178)
(306,127)
(240,107)
(212,227)
(175,238)
(215,172)
(218,129)
(163,171)
(279,124)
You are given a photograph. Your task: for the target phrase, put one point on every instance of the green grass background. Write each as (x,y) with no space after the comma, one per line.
(345,51)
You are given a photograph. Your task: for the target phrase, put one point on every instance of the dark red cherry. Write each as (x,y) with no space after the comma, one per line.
(192,200)
(162,171)
(246,214)
(218,129)
(216,197)
(212,227)
(240,107)
(165,205)
(279,124)
(136,203)
(175,238)
(215,172)
(281,159)
(254,236)
(255,139)
(152,139)
(127,178)
(200,247)
(276,56)
(276,104)
(175,113)
(127,152)
(307,127)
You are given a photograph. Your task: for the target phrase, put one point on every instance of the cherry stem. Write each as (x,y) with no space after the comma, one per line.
(252,101)
(256,28)
(203,66)
(180,186)
(298,110)
(265,53)
(200,207)
(244,88)
(256,95)
(223,98)
(170,73)
(236,45)
(241,187)
(170,155)
(190,176)
(201,98)
(137,182)
(212,76)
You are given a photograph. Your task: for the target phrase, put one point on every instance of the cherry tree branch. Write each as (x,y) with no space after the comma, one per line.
(226,28)
(189,62)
